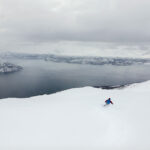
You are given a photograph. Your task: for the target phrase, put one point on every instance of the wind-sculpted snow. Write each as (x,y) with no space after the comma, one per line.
(76,119)
(79,60)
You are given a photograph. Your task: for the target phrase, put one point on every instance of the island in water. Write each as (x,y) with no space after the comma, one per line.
(9,68)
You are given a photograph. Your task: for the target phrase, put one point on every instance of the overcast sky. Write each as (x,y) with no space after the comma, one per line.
(88,27)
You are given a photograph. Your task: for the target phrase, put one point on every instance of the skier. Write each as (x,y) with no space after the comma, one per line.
(108,101)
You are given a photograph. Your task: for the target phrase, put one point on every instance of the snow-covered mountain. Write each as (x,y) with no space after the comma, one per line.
(118,61)
(76,119)
(9,68)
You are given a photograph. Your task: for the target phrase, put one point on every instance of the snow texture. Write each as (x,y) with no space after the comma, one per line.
(76,119)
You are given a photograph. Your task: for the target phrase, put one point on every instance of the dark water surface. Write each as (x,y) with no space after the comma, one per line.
(45,77)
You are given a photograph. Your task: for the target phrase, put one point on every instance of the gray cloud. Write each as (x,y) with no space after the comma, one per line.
(39,21)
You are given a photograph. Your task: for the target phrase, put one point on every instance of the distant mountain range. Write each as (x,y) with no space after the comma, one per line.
(79,60)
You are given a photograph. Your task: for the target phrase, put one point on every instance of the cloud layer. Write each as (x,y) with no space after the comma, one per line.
(30,22)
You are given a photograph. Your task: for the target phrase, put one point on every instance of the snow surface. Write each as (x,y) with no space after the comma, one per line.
(76,119)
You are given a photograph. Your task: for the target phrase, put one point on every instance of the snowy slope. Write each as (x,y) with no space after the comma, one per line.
(75,119)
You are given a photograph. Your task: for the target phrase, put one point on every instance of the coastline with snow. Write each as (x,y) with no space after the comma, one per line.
(9,68)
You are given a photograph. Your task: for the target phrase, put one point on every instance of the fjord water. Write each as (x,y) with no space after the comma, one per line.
(45,77)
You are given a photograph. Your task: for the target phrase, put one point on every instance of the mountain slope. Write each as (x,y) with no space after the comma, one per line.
(76,119)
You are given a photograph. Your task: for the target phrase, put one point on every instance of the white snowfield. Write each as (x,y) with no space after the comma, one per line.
(75,119)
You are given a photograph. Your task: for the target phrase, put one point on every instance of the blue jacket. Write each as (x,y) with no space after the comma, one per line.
(108,101)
